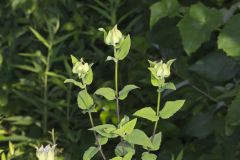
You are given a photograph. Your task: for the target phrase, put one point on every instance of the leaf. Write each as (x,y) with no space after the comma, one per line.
(122,52)
(199,126)
(156,141)
(76,83)
(39,37)
(123,148)
(148,156)
(138,137)
(84,100)
(162,9)
(223,69)
(89,77)
(102,140)
(74,59)
(127,128)
(196,26)
(229,38)
(105,130)
(90,153)
(232,118)
(107,93)
(126,89)
(170,108)
(147,113)
(180,155)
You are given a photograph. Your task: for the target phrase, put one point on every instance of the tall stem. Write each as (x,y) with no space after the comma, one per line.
(45,94)
(116,92)
(158,110)
(95,135)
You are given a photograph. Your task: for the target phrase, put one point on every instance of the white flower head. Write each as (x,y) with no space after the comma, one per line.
(45,153)
(81,68)
(113,37)
(161,70)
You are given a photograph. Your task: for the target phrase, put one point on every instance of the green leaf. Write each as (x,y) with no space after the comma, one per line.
(85,101)
(107,93)
(170,108)
(102,140)
(123,148)
(122,52)
(74,59)
(90,153)
(156,141)
(233,118)
(162,9)
(180,155)
(147,113)
(223,69)
(138,137)
(197,25)
(117,158)
(39,37)
(76,83)
(229,38)
(105,130)
(89,77)
(127,128)
(126,89)
(148,156)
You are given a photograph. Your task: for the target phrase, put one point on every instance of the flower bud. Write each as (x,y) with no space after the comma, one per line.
(81,68)
(161,70)
(113,37)
(46,153)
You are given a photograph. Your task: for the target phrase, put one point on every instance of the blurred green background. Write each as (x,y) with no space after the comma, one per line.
(207,128)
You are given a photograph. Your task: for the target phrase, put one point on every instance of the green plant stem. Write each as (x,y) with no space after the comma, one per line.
(158,110)
(95,135)
(45,95)
(69,95)
(116,92)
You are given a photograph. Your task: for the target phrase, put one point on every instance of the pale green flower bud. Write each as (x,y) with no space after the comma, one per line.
(113,37)
(160,70)
(81,68)
(46,153)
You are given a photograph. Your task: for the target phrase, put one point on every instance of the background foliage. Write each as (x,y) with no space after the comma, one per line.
(203,36)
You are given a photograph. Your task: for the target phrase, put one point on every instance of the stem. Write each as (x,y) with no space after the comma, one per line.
(116,92)
(95,135)
(68,104)
(45,94)
(158,109)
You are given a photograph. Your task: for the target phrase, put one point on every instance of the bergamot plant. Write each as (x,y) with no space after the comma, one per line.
(129,136)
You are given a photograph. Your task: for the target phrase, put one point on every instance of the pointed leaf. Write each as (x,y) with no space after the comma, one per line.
(138,137)
(148,156)
(105,130)
(76,83)
(147,113)
(122,52)
(229,39)
(85,101)
(90,153)
(126,89)
(170,108)
(40,37)
(127,128)
(107,93)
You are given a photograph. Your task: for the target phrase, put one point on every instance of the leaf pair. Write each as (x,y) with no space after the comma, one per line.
(170,108)
(109,93)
